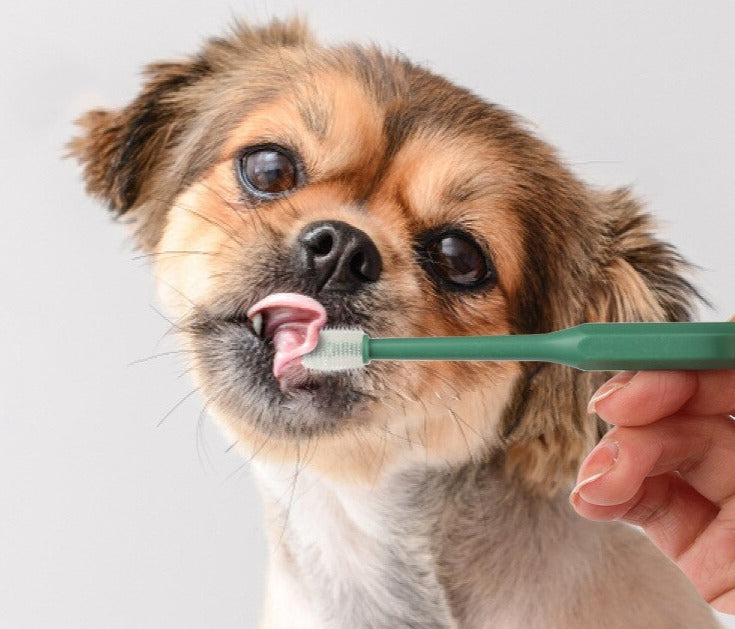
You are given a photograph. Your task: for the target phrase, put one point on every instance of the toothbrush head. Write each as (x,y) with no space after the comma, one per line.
(338,349)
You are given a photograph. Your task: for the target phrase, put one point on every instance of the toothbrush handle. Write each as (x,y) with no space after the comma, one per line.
(648,346)
(590,347)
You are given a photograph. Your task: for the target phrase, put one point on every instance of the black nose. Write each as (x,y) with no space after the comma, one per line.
(339,256)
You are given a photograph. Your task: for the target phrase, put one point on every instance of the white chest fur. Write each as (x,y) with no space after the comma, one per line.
(347,554)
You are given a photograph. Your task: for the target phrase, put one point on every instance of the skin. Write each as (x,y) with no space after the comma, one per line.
(667,466)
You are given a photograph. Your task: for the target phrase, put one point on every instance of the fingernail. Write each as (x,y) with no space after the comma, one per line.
(598,463)
(611,386)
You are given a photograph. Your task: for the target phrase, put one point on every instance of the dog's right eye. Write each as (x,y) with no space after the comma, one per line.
(268,172)
(456,260)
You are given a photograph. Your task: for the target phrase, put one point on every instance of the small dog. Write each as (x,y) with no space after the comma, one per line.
(267,173)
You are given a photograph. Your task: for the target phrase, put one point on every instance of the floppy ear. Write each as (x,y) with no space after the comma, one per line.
(640,278)
(121,149)
(635,277)
(124,152)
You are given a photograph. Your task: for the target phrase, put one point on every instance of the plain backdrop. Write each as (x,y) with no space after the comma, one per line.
(121,506)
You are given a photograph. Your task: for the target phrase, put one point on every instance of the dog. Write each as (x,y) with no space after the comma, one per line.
(279,183)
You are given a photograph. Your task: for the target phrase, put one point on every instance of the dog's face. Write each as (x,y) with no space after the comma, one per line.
(279,184)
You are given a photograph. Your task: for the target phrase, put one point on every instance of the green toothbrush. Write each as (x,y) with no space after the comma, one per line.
(590,347)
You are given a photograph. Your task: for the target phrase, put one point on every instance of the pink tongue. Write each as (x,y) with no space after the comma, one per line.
(294,321)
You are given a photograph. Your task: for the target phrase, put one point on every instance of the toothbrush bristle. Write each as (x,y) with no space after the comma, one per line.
(338,349)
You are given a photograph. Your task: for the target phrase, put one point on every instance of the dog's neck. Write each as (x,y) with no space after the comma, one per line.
(441,539)
(358,552)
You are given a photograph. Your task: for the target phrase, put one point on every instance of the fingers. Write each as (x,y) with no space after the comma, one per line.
(671,512)
(670,477)
(636,399)
(676,479)
(699,449)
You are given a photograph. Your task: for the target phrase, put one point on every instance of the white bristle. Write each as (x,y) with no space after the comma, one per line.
(339,349)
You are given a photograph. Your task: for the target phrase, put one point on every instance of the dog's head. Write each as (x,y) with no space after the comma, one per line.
(404,205)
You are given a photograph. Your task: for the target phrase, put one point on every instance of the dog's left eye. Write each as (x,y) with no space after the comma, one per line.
(268,171)
(457,261)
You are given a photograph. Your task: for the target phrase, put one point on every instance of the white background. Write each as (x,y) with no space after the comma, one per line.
(110,520)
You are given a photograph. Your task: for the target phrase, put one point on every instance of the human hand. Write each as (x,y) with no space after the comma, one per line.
(668,465)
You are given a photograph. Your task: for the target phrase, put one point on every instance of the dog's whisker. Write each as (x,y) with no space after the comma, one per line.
(236,472)
(177,405)
(158,254)
(393,435)
(309,458)
(174,327)
(185,372)
(178,292)
(406,396)
(160,314)
(289,207)
(176,352)
(227,229)
(258,449)
(292,491)
(460,422)
(205,459)
(436,374)
(383,436)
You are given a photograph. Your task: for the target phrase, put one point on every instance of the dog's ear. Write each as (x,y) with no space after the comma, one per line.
(640,278)
(122,150)
(634,277)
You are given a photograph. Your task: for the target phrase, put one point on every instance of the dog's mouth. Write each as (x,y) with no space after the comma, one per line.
(292,323)
(250,363)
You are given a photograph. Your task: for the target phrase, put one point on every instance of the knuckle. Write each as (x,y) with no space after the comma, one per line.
(653,506)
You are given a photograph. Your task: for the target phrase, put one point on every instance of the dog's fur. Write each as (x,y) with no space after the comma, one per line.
(419,495)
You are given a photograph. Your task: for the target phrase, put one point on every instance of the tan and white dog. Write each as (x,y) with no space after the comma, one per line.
(267,174)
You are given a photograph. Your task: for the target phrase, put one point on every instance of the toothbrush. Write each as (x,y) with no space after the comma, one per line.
(589,347)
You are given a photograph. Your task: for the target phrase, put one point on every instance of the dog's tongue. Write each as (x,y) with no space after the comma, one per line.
(293,321)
